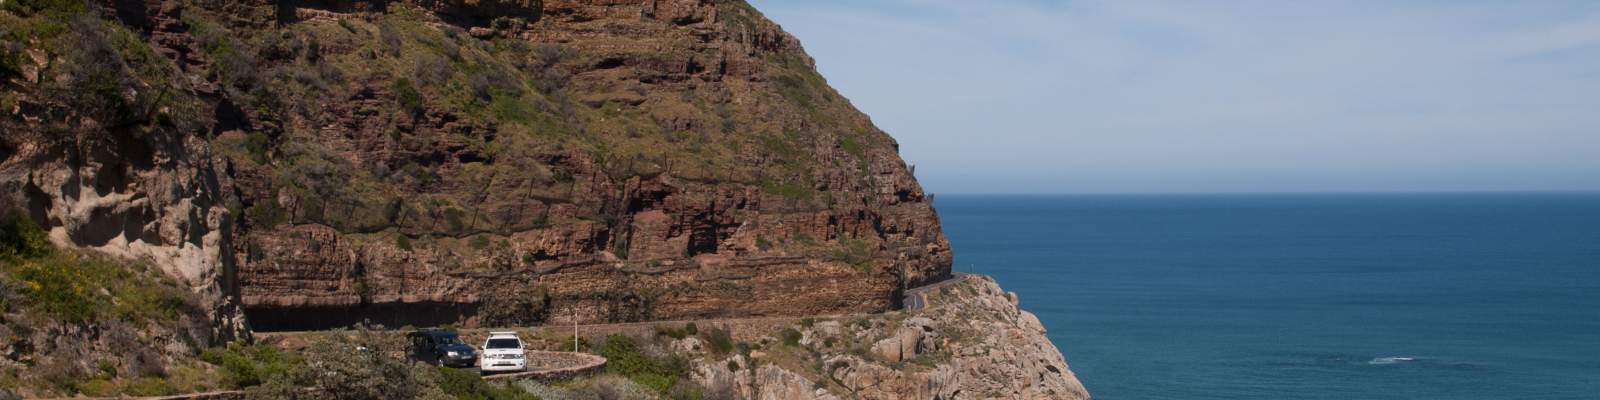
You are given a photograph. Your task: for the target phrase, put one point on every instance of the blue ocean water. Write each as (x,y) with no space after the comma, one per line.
(1303,296)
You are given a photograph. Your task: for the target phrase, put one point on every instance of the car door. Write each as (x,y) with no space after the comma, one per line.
(419,348)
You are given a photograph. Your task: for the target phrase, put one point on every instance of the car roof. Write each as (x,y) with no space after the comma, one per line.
(512,335)
(433,333)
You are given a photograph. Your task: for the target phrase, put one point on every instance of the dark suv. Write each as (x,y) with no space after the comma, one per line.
(441,347)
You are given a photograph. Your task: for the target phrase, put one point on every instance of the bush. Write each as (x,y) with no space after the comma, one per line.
(249,365)
(624,357)
(791,337)
(467,385)
(720,340)
(672,333)
(259,146)
(58,7)
(59,291)
(266,214)
(21,237)
(350,370)
(10,62)
(403,242)
(410,99)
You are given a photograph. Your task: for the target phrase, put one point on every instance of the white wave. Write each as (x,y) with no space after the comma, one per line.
(1390,360)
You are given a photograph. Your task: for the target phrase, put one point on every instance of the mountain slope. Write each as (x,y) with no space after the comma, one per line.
(494,162)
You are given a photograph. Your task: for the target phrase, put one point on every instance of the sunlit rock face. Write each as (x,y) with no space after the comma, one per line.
(323,163)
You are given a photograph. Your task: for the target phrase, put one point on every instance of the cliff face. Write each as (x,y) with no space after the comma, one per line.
(487,162)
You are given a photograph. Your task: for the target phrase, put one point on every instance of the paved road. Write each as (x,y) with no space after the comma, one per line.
(916,298)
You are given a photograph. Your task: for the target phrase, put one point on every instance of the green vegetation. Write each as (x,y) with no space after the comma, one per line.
(55,7)
(853,147)
(10,63)
(410,99)
(788,189)
(259,146)
(467,385)
(22,238)
(855,252)
(249,365)
(791,336)
(624,357)
(720,340)
(79,288)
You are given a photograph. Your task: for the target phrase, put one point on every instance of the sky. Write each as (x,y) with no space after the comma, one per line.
(1034,96)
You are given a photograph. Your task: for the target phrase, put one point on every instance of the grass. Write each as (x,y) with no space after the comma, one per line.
(624,357)
(853,147)
(78,287)
(249,365)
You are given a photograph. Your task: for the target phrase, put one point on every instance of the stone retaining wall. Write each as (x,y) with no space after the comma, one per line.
(555,365)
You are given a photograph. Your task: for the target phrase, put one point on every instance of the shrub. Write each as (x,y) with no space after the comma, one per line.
(691,329)
(249,365)
(808,322)
(59,7)
(466,385)
(21,237)
(453,217)
(624,357)
(259,146)
(672,333)
(791,337)
(58,290)
(853,147)
(410,99)
(720,340)
(403,242)
(10,62)
(389,39)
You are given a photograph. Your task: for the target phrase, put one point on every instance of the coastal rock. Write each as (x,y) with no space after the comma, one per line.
(971,342)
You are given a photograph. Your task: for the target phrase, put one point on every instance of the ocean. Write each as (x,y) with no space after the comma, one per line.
(1303,296)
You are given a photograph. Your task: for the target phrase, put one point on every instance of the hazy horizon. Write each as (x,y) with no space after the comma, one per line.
(1028,96)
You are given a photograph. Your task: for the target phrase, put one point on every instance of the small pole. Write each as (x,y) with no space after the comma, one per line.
(574,329)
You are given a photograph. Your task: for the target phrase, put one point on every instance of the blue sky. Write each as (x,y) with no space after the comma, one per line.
(1016,96)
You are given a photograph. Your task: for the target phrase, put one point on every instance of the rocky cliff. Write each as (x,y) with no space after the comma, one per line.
(970,342)
(321,163)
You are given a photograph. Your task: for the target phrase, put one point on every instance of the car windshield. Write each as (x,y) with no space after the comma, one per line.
(502,344)
(448,339)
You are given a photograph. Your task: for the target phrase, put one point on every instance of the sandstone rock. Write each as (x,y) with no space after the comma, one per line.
(962,346)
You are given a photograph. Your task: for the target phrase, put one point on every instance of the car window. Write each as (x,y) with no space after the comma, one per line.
(502,344)
(449,340)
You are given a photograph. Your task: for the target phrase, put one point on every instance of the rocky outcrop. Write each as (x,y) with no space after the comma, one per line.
(972,342)
(325,163)
(89,153)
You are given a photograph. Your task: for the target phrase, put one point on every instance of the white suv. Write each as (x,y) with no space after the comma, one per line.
(502,352)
